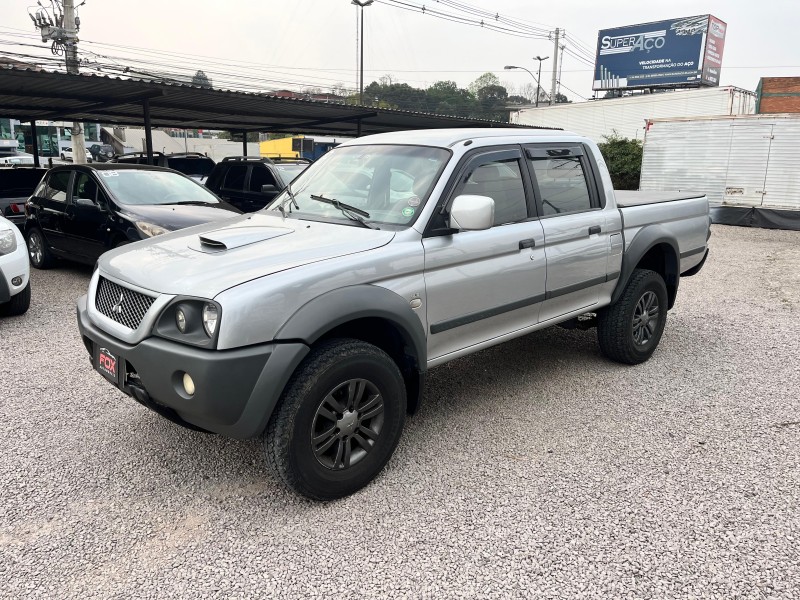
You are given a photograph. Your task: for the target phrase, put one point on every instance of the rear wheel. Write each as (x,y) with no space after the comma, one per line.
(18,304)
(339,420)
(37,249)
(629,330)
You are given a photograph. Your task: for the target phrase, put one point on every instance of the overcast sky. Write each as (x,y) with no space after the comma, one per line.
(313,42)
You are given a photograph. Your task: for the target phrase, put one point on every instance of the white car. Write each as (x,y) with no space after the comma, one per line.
(66,154)
(17,159)
(15,285)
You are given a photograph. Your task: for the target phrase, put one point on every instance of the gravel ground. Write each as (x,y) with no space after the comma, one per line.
(535,469)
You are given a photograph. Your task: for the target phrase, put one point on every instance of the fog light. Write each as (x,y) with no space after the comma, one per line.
(16,281)
(188,384)
(180,320)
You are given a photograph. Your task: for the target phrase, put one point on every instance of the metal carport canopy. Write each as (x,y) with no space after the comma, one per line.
(31,95)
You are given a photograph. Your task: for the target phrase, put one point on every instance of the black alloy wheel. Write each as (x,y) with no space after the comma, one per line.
(37,249)
(645,319)
(347,424)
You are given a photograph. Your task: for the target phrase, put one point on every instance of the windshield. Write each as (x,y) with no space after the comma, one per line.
(390,183)
(134,186)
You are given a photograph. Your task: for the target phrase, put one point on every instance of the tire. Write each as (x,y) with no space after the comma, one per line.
(623,335)
(37,249)
(317,441)
(63,157)
(18,304)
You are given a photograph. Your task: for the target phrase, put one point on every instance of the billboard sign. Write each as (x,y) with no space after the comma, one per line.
(674,53)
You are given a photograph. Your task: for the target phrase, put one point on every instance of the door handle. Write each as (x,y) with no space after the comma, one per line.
(529,243)
(594,229)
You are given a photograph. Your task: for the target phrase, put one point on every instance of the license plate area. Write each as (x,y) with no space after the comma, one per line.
(108,364)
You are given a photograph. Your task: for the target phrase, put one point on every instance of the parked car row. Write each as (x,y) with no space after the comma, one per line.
(79,211)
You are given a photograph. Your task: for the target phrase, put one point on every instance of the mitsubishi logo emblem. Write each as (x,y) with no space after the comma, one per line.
(117,308)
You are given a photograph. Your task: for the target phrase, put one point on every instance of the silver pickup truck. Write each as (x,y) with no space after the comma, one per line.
(312,323)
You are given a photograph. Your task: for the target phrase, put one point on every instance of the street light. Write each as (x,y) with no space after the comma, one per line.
(362,4)
(539,78)
(507,67)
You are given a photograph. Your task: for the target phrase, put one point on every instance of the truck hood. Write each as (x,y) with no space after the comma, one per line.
(206,260)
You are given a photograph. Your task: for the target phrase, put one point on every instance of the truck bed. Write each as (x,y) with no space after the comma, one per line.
(627,198)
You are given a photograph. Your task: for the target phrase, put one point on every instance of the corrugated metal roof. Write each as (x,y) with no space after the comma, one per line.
(28,95)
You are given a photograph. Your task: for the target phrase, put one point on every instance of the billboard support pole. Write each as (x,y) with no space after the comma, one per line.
(555,71)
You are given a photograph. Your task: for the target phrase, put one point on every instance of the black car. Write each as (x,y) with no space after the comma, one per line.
(78,212)
(195,165)
(101,152)
(251,182)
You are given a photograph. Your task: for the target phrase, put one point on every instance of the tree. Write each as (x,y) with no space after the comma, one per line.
(624,159)
(483,81)
(201,79)
(562,99)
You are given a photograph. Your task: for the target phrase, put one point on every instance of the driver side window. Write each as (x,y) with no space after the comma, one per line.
(500,180)
(84,188)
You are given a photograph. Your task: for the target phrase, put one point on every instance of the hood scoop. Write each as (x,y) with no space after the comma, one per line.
(235,237)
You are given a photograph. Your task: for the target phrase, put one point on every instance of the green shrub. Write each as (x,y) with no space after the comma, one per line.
(624,159)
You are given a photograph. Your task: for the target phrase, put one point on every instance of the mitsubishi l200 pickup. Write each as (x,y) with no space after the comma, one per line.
(312,323)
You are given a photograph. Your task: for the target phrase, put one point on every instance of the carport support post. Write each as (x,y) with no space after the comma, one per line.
(35,138)
(244,143)
(148,134)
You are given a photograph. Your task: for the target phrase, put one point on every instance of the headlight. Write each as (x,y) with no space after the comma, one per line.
(150,230)
(210,315)
(180,320)
(8,242)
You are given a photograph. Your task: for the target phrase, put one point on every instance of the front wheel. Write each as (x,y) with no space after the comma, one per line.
(37,249)
(339,420)
(629,330)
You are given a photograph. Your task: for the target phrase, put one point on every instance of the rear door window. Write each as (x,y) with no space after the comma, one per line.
(560,178)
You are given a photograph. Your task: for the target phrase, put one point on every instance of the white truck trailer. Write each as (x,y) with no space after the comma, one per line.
(745,165)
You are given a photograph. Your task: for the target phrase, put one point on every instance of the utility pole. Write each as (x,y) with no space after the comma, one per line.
(555,70)
(71,56)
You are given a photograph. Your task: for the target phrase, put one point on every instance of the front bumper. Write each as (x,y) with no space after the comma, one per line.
(235,390)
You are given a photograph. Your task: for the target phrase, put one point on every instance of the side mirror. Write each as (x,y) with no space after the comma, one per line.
(85,202)
(268,189)
(472,213)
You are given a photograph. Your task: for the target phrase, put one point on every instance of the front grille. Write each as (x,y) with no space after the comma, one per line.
(120,304)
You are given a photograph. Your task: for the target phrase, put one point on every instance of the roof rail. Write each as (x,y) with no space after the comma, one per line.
(138,154)
(247,158)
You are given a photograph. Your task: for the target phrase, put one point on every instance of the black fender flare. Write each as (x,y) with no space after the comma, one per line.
(647,238)
(326,312)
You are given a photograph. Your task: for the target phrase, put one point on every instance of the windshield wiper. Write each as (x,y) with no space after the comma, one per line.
(351,212)
(289,198)
(193,202)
